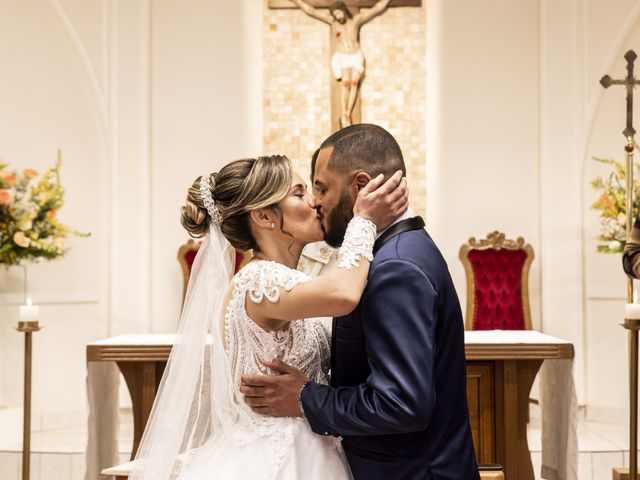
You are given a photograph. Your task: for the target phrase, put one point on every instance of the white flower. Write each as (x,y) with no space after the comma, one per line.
(25,225)
(614,245)
(20,239)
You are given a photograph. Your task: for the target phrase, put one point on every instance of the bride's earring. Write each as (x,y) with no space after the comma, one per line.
(273,226)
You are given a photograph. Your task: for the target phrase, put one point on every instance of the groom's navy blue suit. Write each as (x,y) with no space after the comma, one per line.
(397,394)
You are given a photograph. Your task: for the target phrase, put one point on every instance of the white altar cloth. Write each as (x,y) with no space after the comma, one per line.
(149,339)
(558,404)
(558,401)
(522,337)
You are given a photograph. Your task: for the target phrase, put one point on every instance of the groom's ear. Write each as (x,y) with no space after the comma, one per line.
(361,179)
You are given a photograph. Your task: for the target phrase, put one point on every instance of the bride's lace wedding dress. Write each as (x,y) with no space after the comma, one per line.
(200,428)
(262,447)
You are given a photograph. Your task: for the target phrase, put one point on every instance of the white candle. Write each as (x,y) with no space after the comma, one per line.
(28,312)
(632,311)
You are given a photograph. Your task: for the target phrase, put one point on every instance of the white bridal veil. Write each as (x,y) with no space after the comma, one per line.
(183,417)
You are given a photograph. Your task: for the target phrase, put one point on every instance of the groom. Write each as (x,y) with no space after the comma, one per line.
(397,395)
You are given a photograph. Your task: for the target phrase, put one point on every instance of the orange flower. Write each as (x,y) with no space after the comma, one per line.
(51,214)
(605,201)
(8,178)
(5,197)
(30,173)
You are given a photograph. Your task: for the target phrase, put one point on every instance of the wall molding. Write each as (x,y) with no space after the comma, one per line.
(85,60)
(596,413)
(111,73)
(130,164)
(561,103)
(147,153)
(614,52)
(606,294)
(50,298)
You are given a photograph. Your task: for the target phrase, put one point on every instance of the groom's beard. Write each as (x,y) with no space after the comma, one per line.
(338,220)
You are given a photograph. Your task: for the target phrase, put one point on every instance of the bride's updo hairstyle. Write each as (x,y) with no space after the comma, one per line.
(238,188)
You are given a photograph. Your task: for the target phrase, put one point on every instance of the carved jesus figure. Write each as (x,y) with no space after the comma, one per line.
(347,63)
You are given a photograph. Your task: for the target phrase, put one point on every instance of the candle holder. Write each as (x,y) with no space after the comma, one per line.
(631,324)
(27,327)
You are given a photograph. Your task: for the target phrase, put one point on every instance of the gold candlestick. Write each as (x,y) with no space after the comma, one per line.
(27,327)
(632,326)
(628,153)
(630,82)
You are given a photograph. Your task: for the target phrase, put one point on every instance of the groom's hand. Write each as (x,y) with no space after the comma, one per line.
(275,395)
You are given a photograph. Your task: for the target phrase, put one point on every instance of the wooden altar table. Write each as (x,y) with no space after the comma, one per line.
(501,367)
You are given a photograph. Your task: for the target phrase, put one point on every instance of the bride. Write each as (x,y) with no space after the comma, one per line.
(200,428)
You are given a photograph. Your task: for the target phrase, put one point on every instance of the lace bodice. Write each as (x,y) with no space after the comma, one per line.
(304,345)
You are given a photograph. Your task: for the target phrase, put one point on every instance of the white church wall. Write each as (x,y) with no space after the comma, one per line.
(561,120)
(515,112)
(144,96)
(610,30)
(52,93)
(141,97)
(483,127)
(207,110)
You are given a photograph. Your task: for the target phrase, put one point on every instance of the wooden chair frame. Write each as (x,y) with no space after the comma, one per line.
(186,271)
(496,240)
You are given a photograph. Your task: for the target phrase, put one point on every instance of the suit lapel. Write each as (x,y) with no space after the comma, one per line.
(406,225)
(415,223)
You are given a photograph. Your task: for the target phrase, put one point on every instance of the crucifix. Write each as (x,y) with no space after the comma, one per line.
(629,82)
(632,325)
(347,60)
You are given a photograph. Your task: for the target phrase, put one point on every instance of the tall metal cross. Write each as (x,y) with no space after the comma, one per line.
(632,325)
(629,82)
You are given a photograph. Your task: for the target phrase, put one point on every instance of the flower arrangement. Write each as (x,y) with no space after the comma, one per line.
(612,205)
(29,227)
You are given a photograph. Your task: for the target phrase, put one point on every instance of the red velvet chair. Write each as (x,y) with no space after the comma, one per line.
(497,273)
(187,254)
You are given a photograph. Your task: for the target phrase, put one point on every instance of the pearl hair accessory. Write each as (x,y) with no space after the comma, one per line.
(207,199)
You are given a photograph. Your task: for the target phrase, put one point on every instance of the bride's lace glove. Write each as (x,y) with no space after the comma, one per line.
(382,202)
(378,204)
(358,242)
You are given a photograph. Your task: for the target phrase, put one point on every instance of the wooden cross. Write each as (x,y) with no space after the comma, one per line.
(629,82)
(354,7)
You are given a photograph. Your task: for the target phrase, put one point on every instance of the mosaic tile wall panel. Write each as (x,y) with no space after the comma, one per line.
(297,94)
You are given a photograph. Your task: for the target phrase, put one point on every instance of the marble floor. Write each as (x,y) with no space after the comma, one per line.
(601,446)
(58,454)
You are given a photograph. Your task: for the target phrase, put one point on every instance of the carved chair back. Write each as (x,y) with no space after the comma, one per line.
(187,254)
(497,272)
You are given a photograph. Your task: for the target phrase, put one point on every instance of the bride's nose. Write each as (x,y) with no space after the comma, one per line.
(311,200)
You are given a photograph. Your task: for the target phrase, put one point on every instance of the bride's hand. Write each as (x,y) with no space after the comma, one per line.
(382,202)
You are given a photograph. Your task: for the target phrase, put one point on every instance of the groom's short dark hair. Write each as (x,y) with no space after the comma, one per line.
(314,159)
(365,147)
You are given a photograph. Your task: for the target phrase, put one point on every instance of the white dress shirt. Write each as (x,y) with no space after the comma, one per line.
(408,214)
